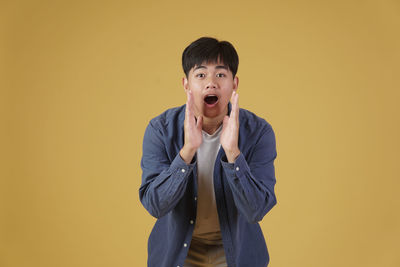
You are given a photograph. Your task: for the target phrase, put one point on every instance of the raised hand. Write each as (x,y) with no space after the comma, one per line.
(193,130)
(230,131)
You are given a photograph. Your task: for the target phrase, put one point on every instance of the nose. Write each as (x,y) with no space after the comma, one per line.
(211,83)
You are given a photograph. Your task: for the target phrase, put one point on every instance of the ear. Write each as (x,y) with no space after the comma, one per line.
(185,83)
(235,83)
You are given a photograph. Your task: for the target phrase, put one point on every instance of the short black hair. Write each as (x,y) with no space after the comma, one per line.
(210,50)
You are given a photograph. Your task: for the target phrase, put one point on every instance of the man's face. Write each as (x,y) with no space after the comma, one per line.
(212,85)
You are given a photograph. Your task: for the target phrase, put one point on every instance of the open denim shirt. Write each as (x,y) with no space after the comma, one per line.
(244,190)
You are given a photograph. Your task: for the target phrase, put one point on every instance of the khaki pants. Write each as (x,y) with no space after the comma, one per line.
(205,255)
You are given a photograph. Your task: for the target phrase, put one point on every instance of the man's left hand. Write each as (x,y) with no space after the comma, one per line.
(230,131)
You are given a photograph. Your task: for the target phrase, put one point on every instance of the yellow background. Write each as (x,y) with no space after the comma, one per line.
(80,80)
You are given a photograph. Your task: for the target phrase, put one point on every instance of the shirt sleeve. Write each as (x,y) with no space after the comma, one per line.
(163,181)
(252,181)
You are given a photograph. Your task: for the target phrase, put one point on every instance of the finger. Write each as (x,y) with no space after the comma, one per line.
(235,106)
(225,122)
(187,105)
(187,113)
(190,114)
(191,102)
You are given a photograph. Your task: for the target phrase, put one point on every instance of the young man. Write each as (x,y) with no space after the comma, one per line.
(208,169)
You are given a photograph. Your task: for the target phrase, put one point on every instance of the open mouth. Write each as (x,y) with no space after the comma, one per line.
(211,99)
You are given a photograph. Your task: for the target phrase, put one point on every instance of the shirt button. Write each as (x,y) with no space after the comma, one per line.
(183,170)
(191,221)
(195,198)
(237,168)
(185,245)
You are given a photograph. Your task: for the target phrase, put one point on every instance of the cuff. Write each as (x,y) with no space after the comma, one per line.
(180,166)
(236,168)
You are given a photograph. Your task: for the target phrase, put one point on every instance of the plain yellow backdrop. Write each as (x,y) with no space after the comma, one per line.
(80,80)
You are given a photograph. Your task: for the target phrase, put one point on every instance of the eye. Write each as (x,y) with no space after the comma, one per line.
(200,75)
(221,75)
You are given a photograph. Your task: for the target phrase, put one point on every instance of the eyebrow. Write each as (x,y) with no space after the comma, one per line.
(217,67)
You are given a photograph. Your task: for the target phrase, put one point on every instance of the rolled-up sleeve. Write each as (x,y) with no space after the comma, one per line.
(252,180)
(163,181)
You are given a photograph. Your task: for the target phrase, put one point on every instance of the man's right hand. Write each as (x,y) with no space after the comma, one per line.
(193,130)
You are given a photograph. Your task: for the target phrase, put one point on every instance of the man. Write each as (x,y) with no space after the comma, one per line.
(208,169)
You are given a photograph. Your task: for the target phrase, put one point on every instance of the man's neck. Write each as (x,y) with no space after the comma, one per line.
(210,125)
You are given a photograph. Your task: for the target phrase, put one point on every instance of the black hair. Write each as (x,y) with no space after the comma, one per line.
(210,50)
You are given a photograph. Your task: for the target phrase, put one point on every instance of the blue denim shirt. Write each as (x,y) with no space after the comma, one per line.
(244,190)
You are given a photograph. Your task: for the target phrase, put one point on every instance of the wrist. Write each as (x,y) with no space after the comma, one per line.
(232,155)
(187,154)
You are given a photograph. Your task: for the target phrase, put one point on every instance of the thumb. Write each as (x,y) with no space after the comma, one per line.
(225,121)
(199,124)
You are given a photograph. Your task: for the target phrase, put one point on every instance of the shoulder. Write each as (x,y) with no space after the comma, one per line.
(255,133)
(170,117)
(251,122)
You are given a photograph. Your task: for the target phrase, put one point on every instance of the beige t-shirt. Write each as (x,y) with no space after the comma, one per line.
(207,223)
